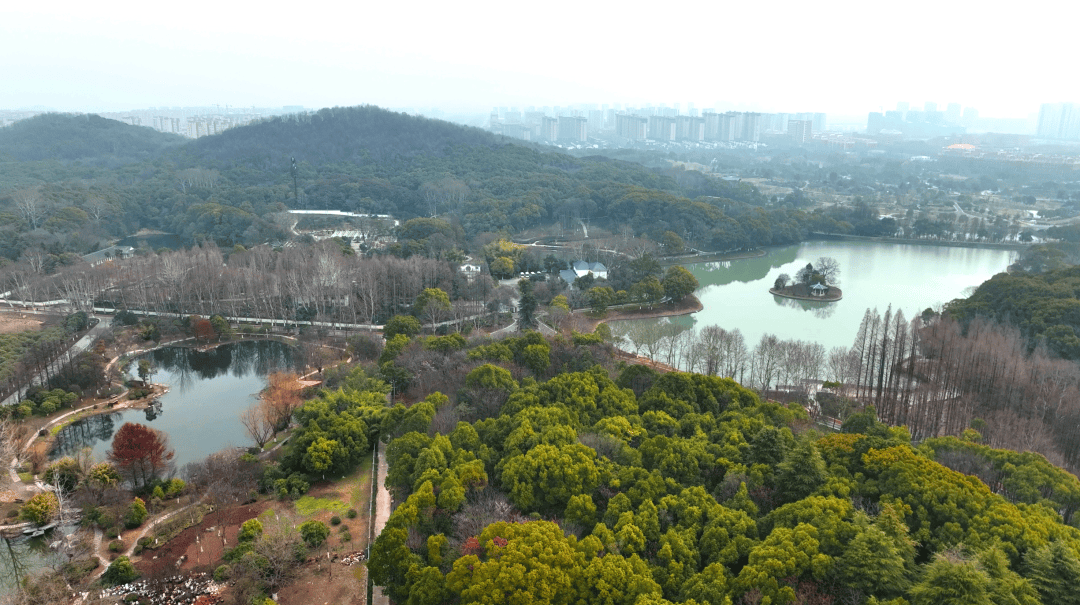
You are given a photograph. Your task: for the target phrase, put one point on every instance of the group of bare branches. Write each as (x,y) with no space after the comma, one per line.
(317,280)
(937,377)
(274,408)
(772,363)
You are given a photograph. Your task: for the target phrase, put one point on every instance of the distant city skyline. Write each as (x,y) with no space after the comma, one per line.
(841,58)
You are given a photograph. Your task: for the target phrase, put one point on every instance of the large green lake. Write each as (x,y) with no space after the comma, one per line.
(735,294)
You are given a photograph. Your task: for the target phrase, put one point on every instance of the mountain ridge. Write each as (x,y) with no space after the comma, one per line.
(82,137)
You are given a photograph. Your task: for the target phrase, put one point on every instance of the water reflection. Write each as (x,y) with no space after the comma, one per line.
(24,556)
(77,435)
(744,270)
(872,275)
(200,412)
(820,310)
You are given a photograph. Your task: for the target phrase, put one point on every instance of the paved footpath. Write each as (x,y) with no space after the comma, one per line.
(382,515)
(80,346)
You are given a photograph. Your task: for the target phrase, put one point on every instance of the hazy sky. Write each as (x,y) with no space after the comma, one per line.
(837,57)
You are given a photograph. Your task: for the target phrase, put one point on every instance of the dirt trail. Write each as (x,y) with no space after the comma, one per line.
(382,515)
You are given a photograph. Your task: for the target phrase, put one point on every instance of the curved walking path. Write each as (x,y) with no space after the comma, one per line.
(103,561)
(134,542)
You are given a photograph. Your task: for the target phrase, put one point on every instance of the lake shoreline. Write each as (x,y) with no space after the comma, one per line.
(200,410)
(817,236)
(830,297)
(686,306)
(711,257)
(876,275)
(47,442)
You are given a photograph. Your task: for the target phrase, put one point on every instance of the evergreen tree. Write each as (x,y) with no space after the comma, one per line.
(950,580)
(1054,570)
(801,473)
(526,305)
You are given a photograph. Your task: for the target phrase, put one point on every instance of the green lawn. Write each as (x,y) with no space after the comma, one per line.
(356,486)
(308,505)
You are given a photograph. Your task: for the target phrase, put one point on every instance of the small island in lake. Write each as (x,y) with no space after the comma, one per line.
(811,282)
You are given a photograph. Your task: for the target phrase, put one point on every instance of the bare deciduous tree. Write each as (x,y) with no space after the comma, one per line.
(257,422)
(282,397)
(31,207)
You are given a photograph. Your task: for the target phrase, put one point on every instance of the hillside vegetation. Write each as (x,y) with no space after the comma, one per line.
(232,188)
(1045,307)
(685,488)
(86,137)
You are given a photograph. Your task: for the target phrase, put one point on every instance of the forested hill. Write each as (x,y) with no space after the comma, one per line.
(361,135)
(368,159)
(1045,307)
(232,187)
(87,137)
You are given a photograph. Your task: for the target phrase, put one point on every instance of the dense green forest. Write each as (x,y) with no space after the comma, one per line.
(89,139)
(582,486)
(1043,304)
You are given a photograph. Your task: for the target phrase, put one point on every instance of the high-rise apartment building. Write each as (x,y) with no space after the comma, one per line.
(549,129)
(635,128)
(573,129)
(517,131)
(1059,121)
(752,127)
(662,128)
(712,125)
(731,126)
(689,128)
(800,130)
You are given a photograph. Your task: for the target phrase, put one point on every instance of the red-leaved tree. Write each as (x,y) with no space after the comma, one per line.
(204,330)
(141,453)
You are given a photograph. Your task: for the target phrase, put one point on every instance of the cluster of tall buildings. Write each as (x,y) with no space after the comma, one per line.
(195,122)
(201,126)
(662,123)
(925,123)
(1059,121)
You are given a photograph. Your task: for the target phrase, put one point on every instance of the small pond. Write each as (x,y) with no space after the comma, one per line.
(24,556)
(201,412)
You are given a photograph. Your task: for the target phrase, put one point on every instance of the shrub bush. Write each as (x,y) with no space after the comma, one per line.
(136,514)
(40,509)
(221,573)
(120,571)
(116,546)
(351,514)
(79,568)
(335,520)
(173,487)
(346,536)
(314,533)
(250,531)
(105,520)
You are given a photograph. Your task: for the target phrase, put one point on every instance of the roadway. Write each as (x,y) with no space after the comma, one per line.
(79,346)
